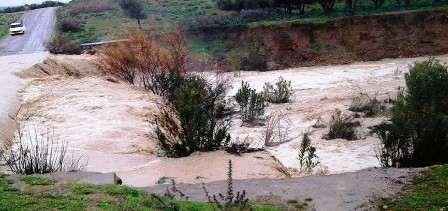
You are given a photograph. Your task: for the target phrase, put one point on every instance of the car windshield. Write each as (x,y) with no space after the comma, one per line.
(16,25)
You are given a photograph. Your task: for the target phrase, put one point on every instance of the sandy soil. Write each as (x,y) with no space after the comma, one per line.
(110,125)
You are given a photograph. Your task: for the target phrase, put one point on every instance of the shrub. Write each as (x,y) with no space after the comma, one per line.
(192,118)
(145,60)
(134,9)
(252,104)
(200,127)
(69,25)
(61,44)
(307,154)
(341,126)
(417,134)
(281,93)
(370,106)
(32,153)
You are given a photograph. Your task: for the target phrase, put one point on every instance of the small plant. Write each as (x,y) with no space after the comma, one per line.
(229,201)
(307,154)
(280,93)
(32,153)
(276,130)
(370,106)
(319,123)
(252,104)
(61,44)
(341,126)
(238,148)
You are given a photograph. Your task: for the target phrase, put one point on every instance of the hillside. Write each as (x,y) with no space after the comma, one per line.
(212,32)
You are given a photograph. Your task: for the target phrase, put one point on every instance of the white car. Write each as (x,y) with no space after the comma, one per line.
(16,28)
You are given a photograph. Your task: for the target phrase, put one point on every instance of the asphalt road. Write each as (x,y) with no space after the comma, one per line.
(39,28)
(347,191)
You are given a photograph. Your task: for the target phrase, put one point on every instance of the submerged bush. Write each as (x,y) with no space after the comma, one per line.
(370,106)
(192,117)
(280,93)
(61,44)
(341,126)
(417,134)
(252,104)
(147,60)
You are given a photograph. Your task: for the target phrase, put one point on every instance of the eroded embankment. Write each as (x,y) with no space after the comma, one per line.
(344,40)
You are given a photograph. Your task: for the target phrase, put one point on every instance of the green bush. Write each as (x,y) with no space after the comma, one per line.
(417,134)
(200,127)
(341,126)
(280,93)
(307,154)
(252,104)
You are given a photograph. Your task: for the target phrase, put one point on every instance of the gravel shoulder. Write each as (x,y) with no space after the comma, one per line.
(347,191)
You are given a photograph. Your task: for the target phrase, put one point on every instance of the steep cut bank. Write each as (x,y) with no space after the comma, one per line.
(345,40)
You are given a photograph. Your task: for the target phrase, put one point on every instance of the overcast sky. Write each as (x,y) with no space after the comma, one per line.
(7,3)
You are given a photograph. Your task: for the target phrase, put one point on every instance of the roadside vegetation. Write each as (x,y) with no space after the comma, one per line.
(428,191)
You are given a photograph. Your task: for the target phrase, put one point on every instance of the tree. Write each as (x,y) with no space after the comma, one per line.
(327,5)
(417,134)
(134,9)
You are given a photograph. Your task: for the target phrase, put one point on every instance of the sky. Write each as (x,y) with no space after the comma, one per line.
(7,3)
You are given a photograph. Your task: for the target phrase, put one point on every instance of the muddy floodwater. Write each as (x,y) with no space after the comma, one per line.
(111,124)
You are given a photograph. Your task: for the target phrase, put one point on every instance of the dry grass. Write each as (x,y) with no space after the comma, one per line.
(276,130)
(138,59)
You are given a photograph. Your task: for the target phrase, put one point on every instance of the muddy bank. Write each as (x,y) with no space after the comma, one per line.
(344,40)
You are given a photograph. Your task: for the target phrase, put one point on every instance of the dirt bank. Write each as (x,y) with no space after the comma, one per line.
(344,40)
